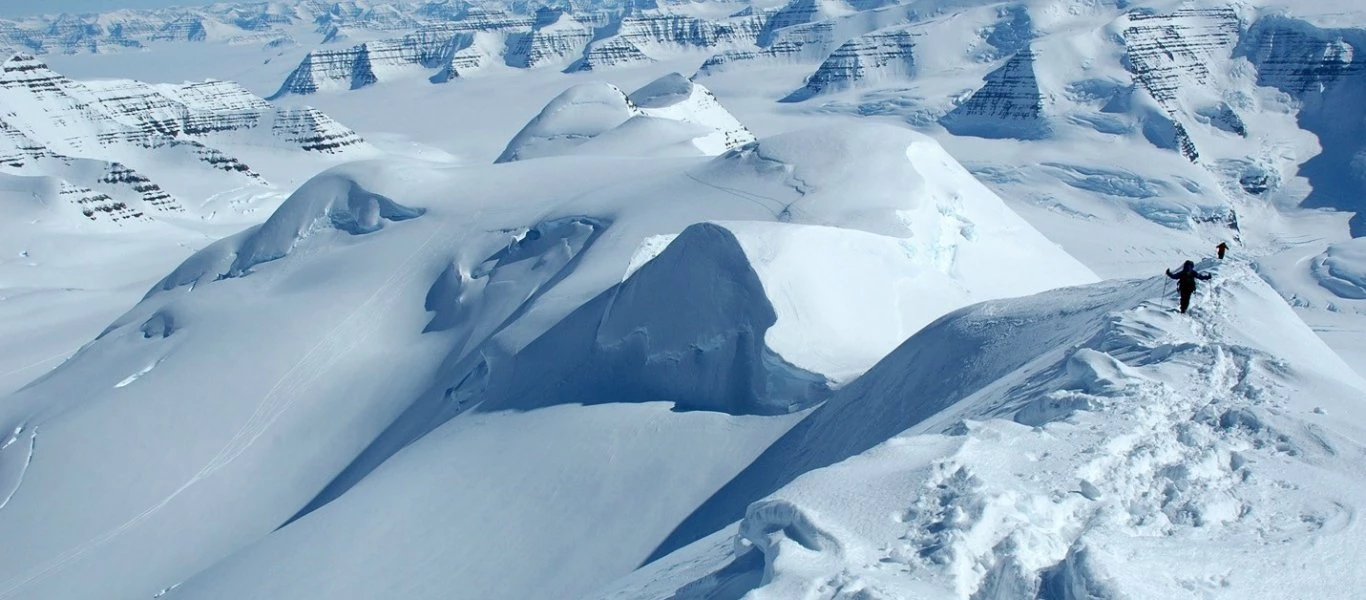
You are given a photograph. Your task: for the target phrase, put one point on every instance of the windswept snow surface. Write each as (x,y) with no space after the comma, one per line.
(1101,446)
(405,301)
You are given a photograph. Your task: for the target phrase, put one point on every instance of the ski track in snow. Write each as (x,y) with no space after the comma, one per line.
(28,460)
(38,363)
(337,343)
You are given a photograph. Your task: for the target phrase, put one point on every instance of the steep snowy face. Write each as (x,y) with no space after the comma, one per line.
(1101,445)
(661,115)
(121,145)
(1325,71)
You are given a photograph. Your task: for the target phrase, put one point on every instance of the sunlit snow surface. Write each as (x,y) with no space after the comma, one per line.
(652,358)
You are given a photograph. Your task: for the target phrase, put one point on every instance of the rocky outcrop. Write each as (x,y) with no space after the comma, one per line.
(1010,105)
(1167,53)
(313,131)
(873,57)
(95,205)
(214,106)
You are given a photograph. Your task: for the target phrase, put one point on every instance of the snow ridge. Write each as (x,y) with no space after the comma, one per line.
(1024,480)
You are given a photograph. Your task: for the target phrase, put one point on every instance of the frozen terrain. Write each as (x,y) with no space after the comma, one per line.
(809,299)
(470,288)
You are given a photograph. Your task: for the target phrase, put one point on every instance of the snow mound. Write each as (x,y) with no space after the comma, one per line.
(327,202)
(576,115)
(324,203)
(671,115)
(1342,269)
(675,97)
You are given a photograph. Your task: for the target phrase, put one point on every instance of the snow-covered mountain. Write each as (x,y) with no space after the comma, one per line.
(668,116)
(124,150)
(867,307)
(1183,77)
(466,304)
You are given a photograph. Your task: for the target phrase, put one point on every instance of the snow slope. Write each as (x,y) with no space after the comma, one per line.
(384,252)
(1103,446)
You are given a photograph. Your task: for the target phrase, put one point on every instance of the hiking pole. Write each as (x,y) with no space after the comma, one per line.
(1166,283)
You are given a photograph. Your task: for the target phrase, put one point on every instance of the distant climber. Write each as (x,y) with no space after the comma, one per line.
(1222,248)
(1185,282)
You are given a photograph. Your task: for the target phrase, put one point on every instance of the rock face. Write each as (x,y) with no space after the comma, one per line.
(595,111)
(875,56)
(1010,105)
(555,38)
(609,53)
(1171,52)
(89,136)
(582,39)
(447,48)
(663,29)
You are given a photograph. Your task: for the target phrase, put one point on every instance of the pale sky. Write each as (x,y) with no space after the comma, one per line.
(18,8)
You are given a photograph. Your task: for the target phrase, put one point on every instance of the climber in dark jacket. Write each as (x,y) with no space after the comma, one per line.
(1185,282)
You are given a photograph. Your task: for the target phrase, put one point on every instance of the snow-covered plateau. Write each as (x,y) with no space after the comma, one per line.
(817,299)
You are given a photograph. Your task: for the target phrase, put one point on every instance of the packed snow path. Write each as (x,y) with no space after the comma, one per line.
(1160,455)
